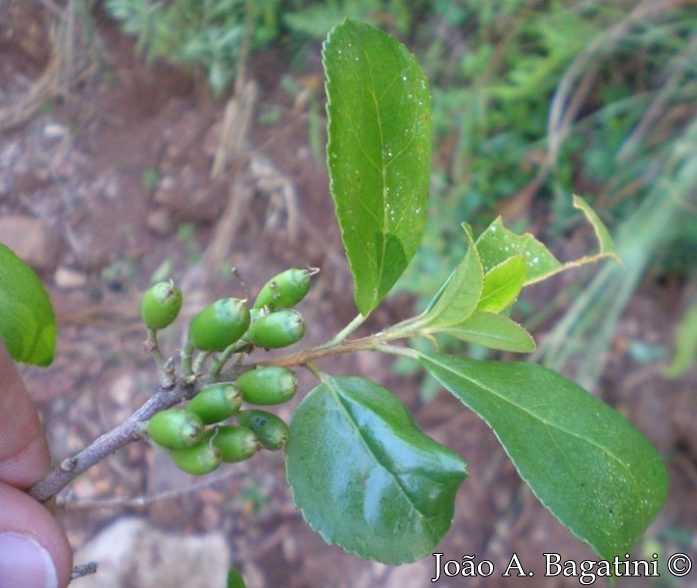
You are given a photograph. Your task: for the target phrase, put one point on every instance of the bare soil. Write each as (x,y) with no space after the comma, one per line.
(117,160)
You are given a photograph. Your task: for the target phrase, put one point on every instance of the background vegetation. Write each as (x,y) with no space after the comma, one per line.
(533,101)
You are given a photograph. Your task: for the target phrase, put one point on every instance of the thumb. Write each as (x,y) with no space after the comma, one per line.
(34,551)
(24,456)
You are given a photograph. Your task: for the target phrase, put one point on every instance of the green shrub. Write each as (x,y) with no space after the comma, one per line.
(199,34)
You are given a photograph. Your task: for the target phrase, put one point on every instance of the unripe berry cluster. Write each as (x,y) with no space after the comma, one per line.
(211,428)
(199,436)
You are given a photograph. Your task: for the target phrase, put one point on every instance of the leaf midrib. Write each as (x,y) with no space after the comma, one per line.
(330,386)
(533,416)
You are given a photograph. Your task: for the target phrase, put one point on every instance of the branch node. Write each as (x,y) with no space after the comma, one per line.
(138,432)
(168,378)
(69,464)
(84,570)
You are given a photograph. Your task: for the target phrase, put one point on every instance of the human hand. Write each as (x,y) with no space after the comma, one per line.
(34,551)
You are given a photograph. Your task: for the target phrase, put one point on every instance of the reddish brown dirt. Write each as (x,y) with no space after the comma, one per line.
(78,163)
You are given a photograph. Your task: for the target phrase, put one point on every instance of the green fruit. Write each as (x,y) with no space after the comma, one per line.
(271,430)
(268,385)
(219,325)
(160,305)
(256,313)
(285,289)
(175,428)
(235,443)
(277,329)
(197,460)
(216,403)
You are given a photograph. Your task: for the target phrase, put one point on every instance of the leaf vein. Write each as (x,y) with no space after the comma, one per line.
(370,448)
(532,415)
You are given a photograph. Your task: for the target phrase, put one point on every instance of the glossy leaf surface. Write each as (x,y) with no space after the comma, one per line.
(460,294)
(494,331)
(379,154)
(502,284)
(497,243)
(27,321)
(365,476)
(583,460)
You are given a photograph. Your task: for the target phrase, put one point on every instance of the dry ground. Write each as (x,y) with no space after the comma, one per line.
(114,158)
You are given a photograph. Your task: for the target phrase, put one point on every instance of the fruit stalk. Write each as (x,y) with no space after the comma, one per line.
(128,431)
(132,428)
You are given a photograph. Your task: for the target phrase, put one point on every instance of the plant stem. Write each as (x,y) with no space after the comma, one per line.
(198,362)
(186,354)
(374,342)
(219,362)
(401,351)
(120,436)
(154,349)
(83,570)
(348,329)
(165,397)
(164,367)
(407,328)
(314,370)
(308,355)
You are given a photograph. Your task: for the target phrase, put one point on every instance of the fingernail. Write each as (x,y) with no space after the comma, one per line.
(25,564)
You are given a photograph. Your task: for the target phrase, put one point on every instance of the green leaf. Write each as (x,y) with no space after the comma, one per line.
(502,284)
(27,322)
(497,244)
(685,342)
(583,460)
(379,154)
(605,241)
(459,296)
(234,579)
(365,476)
(492,330)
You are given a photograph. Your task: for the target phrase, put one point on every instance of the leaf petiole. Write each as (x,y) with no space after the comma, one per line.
(347,330)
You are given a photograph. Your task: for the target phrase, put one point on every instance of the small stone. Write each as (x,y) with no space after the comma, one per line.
(32,240)
(55,131)
(67,278)
(160,222)
(130,552)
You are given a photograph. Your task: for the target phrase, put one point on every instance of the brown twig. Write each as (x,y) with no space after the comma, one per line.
(309,355)
(82,570)
(70,503)
(120,436)
(132,429)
